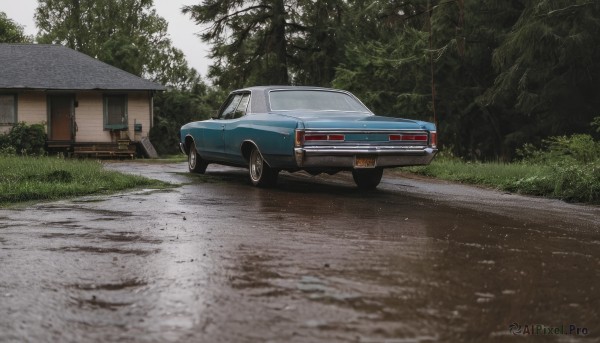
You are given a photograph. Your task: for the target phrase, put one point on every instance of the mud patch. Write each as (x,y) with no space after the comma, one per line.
(125,284)
(60,235)
(156,191)
(103,212)
(129,237)
(90,200)
(95,302)
(65,224)
(98,250)
(107,219)
(235,176)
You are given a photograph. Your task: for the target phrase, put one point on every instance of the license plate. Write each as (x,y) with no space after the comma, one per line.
(365,162)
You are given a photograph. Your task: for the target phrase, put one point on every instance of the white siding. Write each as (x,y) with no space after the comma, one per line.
(139,112)
(90,117)
(31,107)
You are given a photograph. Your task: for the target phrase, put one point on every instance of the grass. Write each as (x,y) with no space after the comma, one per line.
(48,178)
(574,182)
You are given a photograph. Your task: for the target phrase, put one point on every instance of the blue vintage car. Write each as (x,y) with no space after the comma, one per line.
(318,130)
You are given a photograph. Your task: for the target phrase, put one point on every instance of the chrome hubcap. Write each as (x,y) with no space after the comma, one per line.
(193,158)
(256,165)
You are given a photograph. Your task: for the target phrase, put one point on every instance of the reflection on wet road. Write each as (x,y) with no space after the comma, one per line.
(217,260)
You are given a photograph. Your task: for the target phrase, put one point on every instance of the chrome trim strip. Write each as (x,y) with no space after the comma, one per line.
(362,131)
(307,157)
(378,150)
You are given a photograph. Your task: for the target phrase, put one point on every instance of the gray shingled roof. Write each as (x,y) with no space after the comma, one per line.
(43,66)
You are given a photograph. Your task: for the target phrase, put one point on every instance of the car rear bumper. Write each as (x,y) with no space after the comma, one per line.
(345,157)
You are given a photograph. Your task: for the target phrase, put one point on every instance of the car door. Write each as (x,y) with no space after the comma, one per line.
(212,147)
(234,132)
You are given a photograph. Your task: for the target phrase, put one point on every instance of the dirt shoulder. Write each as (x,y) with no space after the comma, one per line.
(483,198)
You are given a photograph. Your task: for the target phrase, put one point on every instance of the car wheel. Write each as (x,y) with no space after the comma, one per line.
(367,178)
(261,174)
(196,164)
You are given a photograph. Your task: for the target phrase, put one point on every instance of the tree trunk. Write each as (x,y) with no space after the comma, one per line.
(280,76)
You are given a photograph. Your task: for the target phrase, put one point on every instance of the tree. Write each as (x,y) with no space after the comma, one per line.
(125,33)
(464,36)
(249,40)
(11,32)
(174,108)
(498,74)
(386,60)
(549,70)
(407,58)
(258,42)
(317,41)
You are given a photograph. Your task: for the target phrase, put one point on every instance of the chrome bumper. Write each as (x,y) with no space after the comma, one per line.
(182,148)
(345,157)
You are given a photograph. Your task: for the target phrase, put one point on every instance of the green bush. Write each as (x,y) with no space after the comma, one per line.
(5,148)
(24,139)
(575,169)
(578,148)
(578,182)
(164,135)
(565,167)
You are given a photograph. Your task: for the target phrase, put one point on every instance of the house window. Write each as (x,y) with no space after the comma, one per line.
(115,112)
(8,109)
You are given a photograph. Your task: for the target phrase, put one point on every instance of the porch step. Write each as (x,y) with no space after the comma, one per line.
(58,144)
(123,149)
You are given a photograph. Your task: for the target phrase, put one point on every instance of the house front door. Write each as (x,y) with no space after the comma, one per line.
(62,113)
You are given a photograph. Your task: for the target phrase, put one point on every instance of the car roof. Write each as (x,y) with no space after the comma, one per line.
(274,87)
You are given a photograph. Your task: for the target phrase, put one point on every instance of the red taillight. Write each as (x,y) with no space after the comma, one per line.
(323,137)
(412,138)
(315,138)
(336,137)
(299,139)
(433,139)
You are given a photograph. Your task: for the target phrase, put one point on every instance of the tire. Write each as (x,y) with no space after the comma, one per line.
(367,178)
(196,164)
(261,174)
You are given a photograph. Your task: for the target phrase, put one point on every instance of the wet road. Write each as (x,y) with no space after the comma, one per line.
(315,260)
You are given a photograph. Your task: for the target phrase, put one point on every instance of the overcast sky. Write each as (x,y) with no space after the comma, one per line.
(181,27)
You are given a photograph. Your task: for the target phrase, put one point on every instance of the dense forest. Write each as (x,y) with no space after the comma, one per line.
(493,74)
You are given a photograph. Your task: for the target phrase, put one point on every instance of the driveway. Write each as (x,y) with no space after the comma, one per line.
(313,260)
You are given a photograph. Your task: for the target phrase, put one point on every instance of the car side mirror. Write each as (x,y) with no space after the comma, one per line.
(215,114)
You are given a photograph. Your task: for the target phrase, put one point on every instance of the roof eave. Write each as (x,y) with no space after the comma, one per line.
(83,89)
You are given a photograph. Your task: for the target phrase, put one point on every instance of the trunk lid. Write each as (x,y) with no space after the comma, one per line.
(355,121)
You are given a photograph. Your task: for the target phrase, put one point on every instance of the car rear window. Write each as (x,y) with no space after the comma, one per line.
(314,100)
